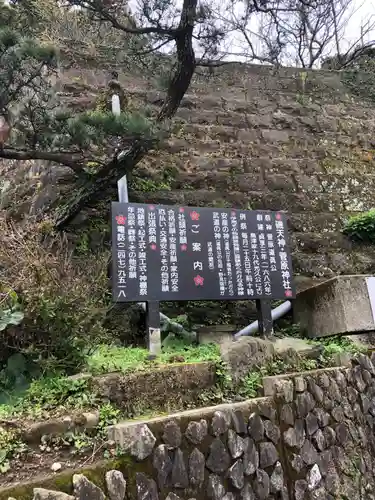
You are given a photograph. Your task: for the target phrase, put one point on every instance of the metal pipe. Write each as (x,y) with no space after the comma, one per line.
(175,327)
(277,313)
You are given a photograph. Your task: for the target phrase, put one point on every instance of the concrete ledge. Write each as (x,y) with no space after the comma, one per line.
(245,406)
(271,384)
(338,306)
(163,386)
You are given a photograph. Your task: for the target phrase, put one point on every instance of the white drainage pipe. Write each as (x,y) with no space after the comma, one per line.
(277,313)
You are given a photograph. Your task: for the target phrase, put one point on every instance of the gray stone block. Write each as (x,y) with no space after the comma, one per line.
(338,306)
(137,439)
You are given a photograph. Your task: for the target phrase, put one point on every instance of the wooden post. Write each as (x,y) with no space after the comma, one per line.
(153,329)
(265,322)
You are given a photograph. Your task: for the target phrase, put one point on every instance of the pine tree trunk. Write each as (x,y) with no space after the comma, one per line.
(88,190)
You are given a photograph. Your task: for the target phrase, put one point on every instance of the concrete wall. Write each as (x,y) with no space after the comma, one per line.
(310,438)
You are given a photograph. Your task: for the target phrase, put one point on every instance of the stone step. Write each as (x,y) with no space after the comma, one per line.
(236,98)
(301,347)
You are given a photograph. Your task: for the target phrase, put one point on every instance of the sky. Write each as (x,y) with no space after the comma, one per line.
(362,11)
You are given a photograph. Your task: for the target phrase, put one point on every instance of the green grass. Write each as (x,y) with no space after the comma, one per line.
(336,344)
(361,227)
(339,345)
(47,394)
(56,395)
(51,393)
(125,359)
(108,359)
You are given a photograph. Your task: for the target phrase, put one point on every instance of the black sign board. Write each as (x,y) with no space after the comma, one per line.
(166,253)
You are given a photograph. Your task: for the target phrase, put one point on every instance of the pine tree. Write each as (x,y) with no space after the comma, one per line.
(43,128)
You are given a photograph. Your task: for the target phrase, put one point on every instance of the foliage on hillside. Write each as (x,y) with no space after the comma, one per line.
(64,304)
(359,75)
(361,227)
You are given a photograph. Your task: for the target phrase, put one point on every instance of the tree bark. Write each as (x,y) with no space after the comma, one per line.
(88,190)
(62,159)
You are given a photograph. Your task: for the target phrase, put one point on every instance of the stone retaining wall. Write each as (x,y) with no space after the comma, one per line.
(226,452)
(247,136)
(310,438)
(326,418)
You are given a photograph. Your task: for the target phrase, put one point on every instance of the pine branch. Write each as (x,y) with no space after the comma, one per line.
(62,159)
(85,191)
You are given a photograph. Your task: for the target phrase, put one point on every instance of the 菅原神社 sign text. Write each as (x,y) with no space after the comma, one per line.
(163,253)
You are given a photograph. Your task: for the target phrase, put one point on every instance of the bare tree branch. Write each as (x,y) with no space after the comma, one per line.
(125,162)
(102,13)
(291,31)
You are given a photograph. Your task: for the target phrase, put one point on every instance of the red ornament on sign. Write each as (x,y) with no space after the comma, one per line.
(121,220)
(198,280)
(288,293)
(183,248)
(151,207)
(153,246)
(278,216)
(181,210)
(194,216)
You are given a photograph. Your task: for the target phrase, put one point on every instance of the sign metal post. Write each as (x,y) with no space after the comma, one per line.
(152,308)
(264,313)
(153,328)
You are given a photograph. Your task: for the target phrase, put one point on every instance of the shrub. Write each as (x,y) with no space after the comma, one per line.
(64,301)
(10,313)
(361,227)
